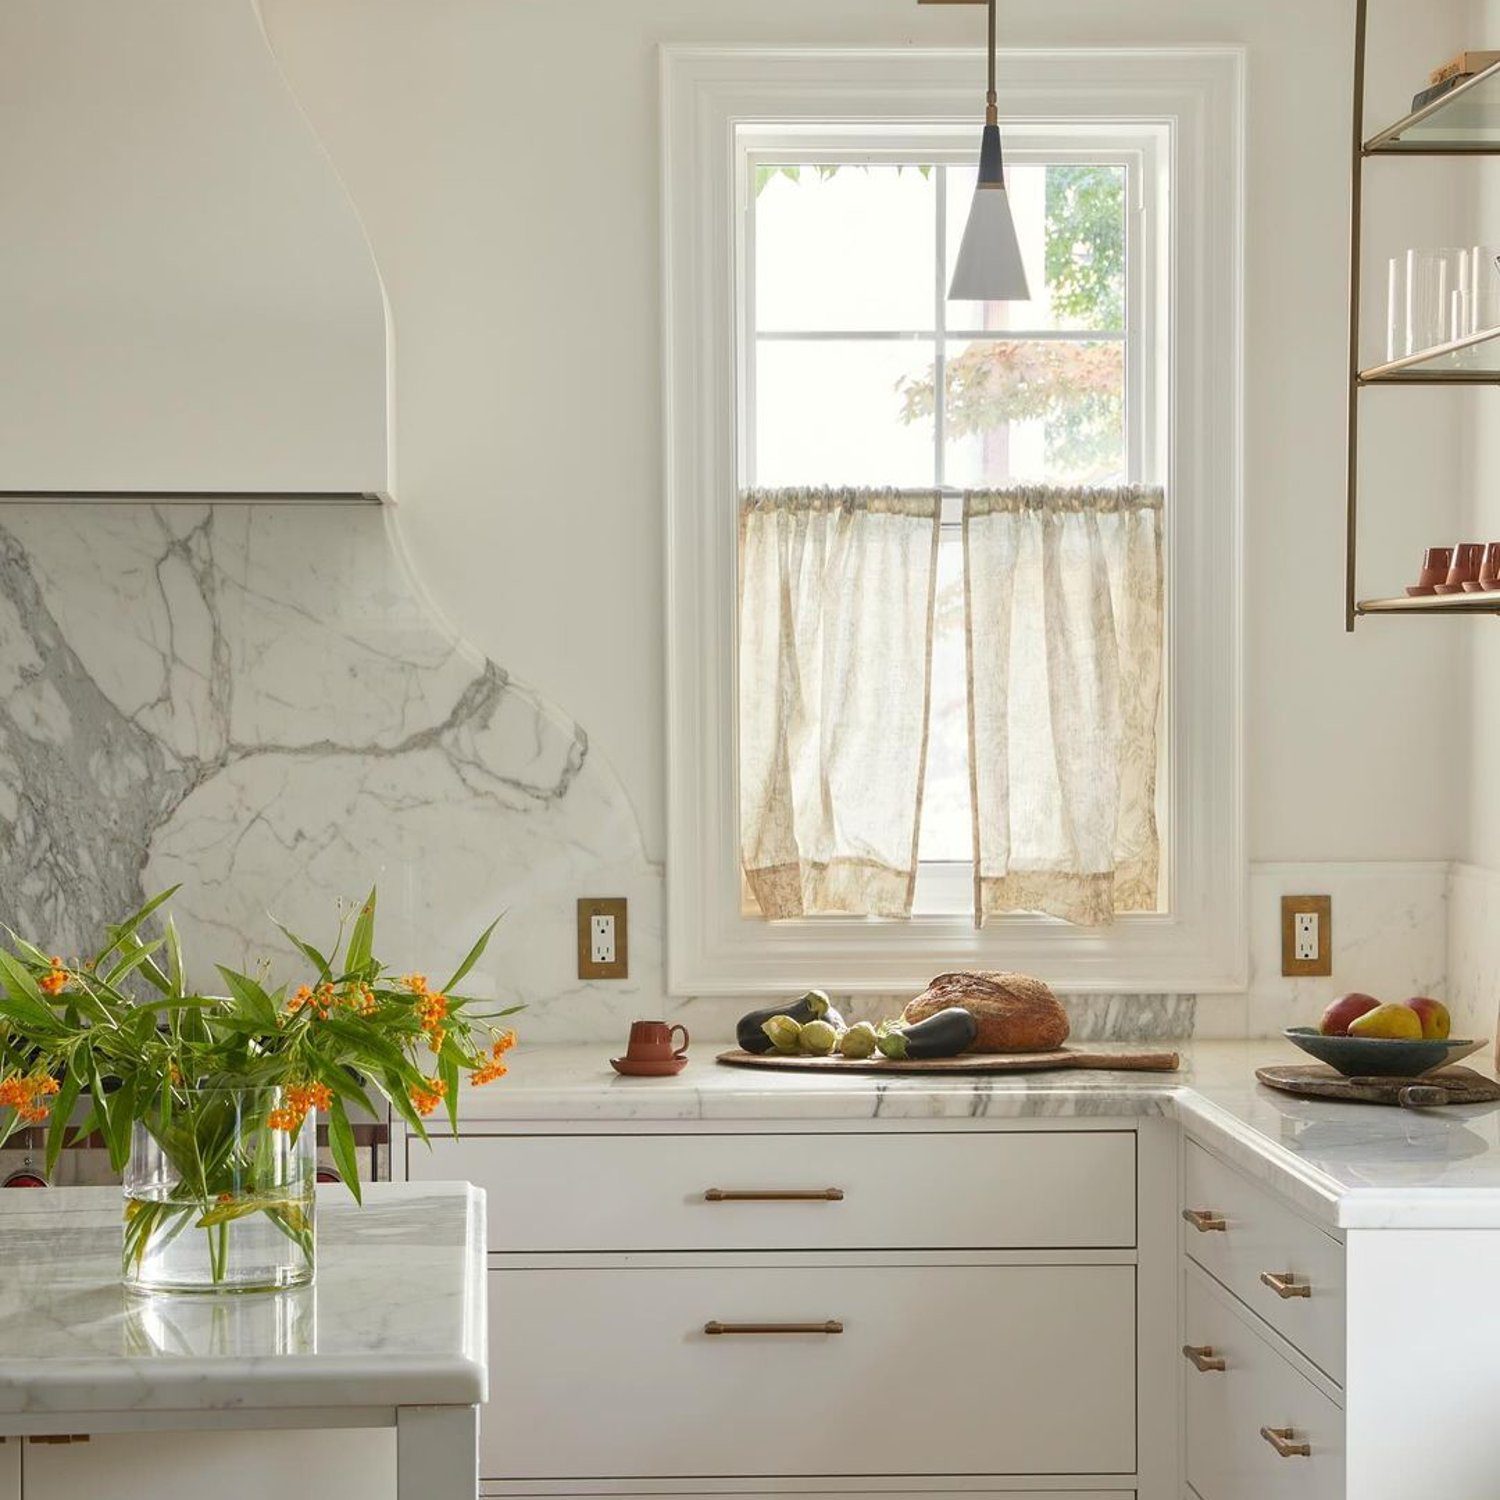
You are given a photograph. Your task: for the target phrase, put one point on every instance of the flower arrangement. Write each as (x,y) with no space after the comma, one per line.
(204,1101)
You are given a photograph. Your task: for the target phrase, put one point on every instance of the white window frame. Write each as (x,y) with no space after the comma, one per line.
(1193,96)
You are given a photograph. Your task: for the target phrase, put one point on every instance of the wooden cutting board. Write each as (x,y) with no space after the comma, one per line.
(967,1062)
(1430,1091)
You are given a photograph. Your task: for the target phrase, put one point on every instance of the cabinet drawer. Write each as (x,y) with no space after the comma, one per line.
(1000,1190)
(937,1370)
(1261,1239)
(1228,1458)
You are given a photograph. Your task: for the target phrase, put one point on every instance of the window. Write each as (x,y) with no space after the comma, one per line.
(814,204)
(856,369)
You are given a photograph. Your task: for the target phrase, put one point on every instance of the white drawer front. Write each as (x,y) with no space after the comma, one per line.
(938,1370)
(997,1190)
(1261,1238)
(1228,1458)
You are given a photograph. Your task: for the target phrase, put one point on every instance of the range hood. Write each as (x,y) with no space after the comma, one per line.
(188,302)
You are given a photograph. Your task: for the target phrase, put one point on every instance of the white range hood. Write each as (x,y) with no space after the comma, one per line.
(188,303)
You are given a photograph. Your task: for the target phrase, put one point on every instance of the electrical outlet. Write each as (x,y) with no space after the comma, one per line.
(1307,935)
(1304,936)
(603,951)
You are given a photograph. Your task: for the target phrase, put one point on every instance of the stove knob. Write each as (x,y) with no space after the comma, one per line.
(327,1174)
(24,1177)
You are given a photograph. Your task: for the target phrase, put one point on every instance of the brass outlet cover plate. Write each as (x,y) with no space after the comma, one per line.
(590,907)
(1306,968)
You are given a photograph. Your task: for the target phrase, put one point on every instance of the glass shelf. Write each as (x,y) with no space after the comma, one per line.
(1465,122)
(1432,604)
(1473,360)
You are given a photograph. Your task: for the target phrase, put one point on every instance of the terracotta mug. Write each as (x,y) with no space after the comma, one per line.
(1489,569)
(1466,559)
(651,1041)
(1435,564)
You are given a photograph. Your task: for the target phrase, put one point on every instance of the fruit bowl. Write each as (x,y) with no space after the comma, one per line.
(1377,1056)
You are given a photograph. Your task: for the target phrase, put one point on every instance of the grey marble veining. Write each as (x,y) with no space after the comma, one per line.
(395,1317)
(259,703)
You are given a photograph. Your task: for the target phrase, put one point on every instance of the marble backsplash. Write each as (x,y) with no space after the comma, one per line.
(259,703)
(256,702)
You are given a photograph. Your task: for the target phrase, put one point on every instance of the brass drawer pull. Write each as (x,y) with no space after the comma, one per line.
(1282,1440)
(60,1437)
(775,1195)
(831,1326)
(1285,1284)
(1203,1357)
(1205,1220)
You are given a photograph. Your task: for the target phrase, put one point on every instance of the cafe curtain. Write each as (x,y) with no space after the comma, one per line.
(835,657)
(1064,611)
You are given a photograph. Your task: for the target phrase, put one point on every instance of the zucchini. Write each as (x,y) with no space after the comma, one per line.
(751,1034)
(945,1034)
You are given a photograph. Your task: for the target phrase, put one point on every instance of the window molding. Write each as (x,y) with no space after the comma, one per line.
(1197,94)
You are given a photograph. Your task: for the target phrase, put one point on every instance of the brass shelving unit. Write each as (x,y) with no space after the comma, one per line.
(1465,122)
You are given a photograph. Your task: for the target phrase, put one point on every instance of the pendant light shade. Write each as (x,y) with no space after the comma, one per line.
(989,267)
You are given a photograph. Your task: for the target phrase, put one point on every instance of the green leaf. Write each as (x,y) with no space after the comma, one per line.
(362,938)
(19,981)
(126,929)
(474,955)
(62,1111)
(131,962)
(306,949)
(252,1000)
(174,958)
(448,1061)
(341,1143)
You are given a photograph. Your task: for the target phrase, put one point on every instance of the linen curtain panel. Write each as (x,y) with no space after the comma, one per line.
(835,648)
(1064,613)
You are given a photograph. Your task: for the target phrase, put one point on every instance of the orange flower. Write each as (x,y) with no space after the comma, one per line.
(320,1001)
(300,1097)
(435,1039)
(416,983)
(300,996)
(427,1095)
(55,979)
(24,1094)
(359,998)
(503,1043)
(488,1072)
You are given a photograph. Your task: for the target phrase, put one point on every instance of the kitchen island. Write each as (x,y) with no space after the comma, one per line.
(390,1335)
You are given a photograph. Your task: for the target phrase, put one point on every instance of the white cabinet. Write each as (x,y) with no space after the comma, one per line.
(212,1465)
(798,1192)
(1257,1428)
(1281,1267)
(894,1370)
(10,1469)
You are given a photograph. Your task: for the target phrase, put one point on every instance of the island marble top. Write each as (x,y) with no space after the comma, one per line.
(395,1316)
(1349,1166)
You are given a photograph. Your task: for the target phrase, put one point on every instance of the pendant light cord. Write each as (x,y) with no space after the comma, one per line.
(991,111)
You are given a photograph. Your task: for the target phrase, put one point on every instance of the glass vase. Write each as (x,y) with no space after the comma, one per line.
(217,1197)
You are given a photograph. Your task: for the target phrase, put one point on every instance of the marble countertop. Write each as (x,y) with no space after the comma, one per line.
(396,1316)
(1351,1166)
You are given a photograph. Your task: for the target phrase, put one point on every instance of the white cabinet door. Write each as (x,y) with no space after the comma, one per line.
(992,1190)
(1257,1429)
(972,1369)
(10,1469)
(352,1465)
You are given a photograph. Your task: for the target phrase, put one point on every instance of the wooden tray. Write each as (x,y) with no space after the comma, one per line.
(1431,1090)
(967,1062)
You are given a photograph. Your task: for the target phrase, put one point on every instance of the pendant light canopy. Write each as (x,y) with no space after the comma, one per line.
(989,265)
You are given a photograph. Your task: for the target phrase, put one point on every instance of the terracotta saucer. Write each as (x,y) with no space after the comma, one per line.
(648,1067)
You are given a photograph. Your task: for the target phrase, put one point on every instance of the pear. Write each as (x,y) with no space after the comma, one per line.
(1393,1022)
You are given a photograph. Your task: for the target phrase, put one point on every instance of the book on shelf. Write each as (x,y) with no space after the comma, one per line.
(1434,91)
(1466,64)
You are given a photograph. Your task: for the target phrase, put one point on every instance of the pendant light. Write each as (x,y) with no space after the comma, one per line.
(989,265)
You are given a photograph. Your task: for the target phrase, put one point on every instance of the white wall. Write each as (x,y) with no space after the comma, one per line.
(504,156)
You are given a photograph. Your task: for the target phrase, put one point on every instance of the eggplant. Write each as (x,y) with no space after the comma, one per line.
(751,1035)
(945,1034)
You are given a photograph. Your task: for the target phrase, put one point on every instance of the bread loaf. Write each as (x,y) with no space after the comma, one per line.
(1016,1013)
